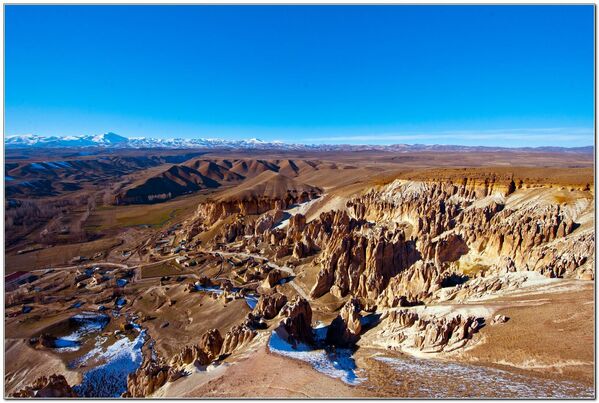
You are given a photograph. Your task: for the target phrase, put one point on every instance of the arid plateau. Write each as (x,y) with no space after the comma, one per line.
(299,273)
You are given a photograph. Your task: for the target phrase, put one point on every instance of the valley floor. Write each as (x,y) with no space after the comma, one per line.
(545,352)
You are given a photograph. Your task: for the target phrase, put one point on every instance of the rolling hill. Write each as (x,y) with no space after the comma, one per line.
(252,177)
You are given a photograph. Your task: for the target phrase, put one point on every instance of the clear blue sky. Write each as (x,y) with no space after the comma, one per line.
(486,75)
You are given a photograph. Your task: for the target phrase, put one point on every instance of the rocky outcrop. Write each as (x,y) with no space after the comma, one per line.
(204,352)
(148,378)
(191,354)
(498,319)
(268,306)
(516,233)
(383,232)
(236,229)
(211,343)
(152,375)
(362,265)
(282,251)
(301,249)
(486,284)
(267,221)
(430,207)
(237,336)
(296,324)
(273,278)
(345,329)
(446,334)
(450,219)
(300,244)
(297,224)
(573,258)
(211,212)
(413,286)
(448,249)
(53,386)
(408,330)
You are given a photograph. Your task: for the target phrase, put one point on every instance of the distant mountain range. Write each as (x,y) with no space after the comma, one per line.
(114,140)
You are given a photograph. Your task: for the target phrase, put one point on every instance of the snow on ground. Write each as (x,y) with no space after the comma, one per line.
(120,359)
(298,209)
(120,302)
(250,299)
(212,289)
(496,197)
(337,363)
(483,381)
(86,323)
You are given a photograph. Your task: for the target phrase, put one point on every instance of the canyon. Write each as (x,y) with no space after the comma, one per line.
(305,273)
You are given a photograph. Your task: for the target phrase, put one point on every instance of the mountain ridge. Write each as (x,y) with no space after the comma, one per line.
(114,140)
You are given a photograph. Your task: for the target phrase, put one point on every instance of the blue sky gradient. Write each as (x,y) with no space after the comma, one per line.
(471,75)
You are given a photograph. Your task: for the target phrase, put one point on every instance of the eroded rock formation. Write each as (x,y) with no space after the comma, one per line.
(210,212)
(148,378)
(238,336)
(53,386)
(362,265)
(205,351)
(296,323)
(414,285)
(273,278)
(268,306)
(345,329)
(408,330)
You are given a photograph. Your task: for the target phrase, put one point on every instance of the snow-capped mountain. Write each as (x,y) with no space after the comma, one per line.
(114,140)
(32,140)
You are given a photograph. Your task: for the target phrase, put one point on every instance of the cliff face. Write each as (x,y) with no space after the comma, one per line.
(268,306)
(380,236)
(362,265)
(414,286)
(369,249)
(449,221)
(212,211)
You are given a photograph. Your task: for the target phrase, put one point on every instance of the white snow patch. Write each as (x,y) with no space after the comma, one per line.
(336,364)
(298,209)
(490,382)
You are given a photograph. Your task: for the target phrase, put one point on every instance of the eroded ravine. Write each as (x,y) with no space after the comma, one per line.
(416,271)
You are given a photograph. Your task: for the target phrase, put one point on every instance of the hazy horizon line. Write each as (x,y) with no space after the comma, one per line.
(443,137)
